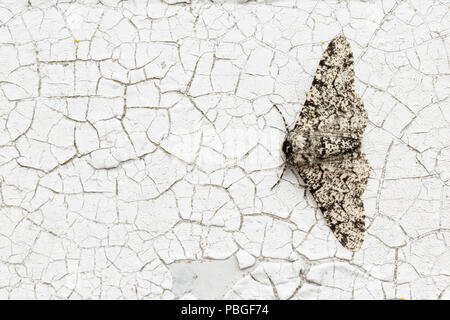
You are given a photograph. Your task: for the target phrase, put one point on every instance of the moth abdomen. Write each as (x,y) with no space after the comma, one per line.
(331,146)
(303,148)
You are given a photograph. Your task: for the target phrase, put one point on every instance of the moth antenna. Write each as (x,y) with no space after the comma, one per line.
(284,120)
(287,130)
(279,179)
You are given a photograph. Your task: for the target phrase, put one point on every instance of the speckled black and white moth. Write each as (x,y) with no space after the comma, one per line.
(325,145)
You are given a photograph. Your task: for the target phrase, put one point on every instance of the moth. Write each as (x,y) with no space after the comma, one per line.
(325,145)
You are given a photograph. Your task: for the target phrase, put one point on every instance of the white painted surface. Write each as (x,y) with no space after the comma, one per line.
(138,140)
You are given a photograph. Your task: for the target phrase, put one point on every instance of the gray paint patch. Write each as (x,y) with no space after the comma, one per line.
(205,279)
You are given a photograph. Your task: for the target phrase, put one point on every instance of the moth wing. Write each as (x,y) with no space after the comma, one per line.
(331,105)
(337,188)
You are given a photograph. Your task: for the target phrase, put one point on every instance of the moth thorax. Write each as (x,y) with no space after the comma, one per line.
(300,141)
(298,149)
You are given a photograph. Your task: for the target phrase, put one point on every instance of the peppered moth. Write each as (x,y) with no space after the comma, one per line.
(325,145)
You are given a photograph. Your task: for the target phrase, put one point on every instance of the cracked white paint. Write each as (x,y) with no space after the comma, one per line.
(138,142)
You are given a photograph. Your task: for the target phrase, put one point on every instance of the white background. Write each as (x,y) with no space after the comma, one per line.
(139,145)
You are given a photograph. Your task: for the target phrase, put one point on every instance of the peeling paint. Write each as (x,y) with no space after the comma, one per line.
(140,135)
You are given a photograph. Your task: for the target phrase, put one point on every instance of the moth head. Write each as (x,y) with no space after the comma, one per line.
(297,148)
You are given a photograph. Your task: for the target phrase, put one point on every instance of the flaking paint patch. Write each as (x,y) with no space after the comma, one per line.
(209,279)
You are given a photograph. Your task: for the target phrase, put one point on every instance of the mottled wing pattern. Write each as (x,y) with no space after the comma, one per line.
(333,108)
(337,187)
(331,105)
